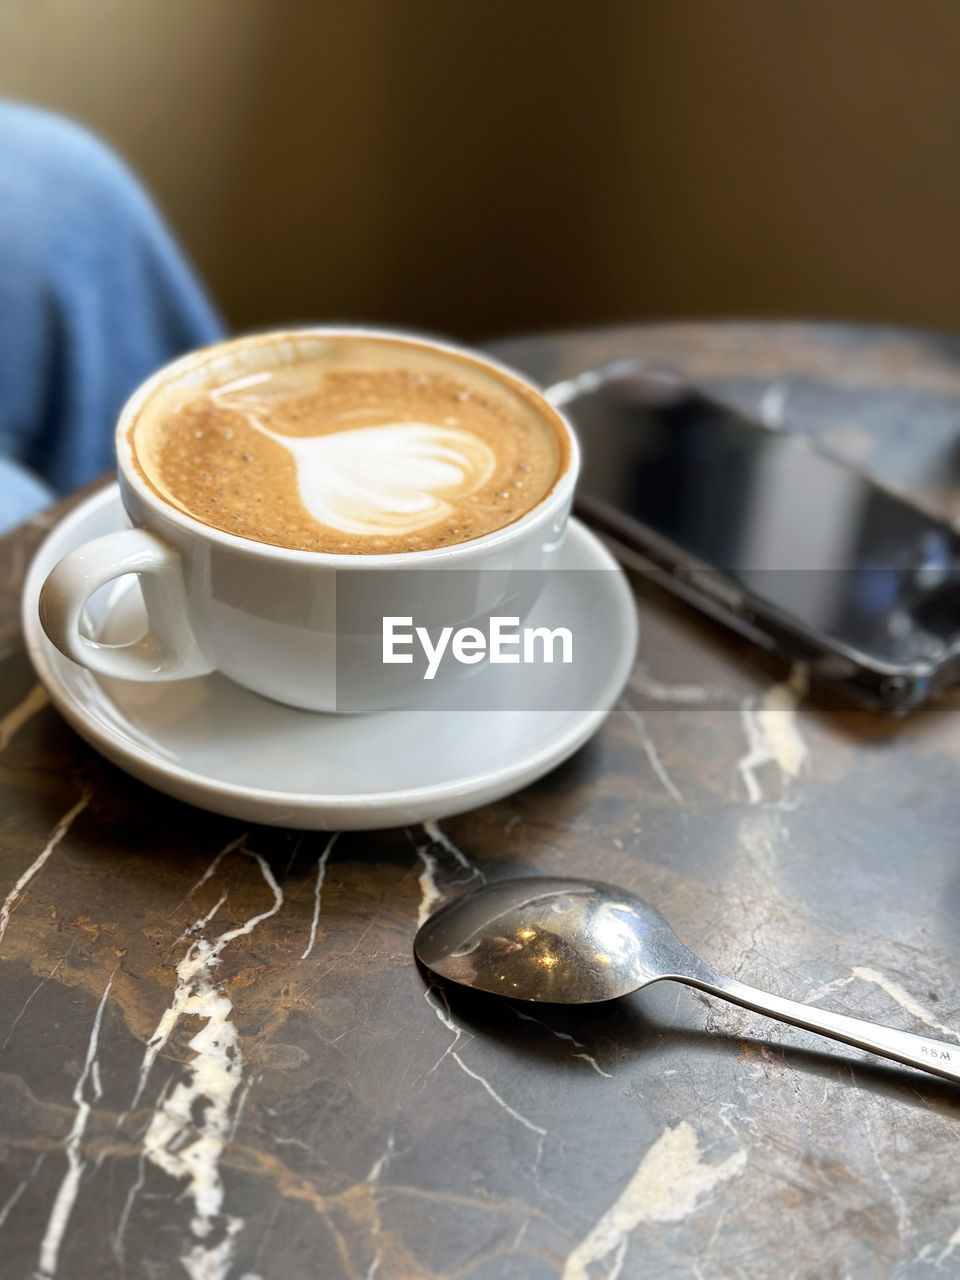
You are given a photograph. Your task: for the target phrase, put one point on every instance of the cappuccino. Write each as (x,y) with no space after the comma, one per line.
(352,444)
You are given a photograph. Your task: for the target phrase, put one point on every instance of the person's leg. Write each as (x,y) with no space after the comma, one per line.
(94,295)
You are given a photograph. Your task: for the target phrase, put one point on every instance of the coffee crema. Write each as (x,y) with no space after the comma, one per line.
(348,444)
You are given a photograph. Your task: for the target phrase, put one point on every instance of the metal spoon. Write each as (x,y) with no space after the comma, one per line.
(582,941)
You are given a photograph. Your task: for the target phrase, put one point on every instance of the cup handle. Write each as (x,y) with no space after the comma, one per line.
(168,651)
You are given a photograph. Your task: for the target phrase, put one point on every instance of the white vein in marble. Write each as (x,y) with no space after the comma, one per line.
(442,1010)
(905,1000)
(318,891)
(894,990)
(241,1103)
(59,831)
(70,1185)
(26,1004)
(652,754)
(667,1187)
(685,695)
(379,1166)
(11,1200)
(900,1209)
(176,1141)
(440,838)
(189,931)
(430,891)
(773,735)
(117,1239)
(17,717)
(377,1170)
(427,880)
(948,1248)
(230,847)
(563,1035)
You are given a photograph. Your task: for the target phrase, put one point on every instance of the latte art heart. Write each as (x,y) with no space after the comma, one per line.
(389,479)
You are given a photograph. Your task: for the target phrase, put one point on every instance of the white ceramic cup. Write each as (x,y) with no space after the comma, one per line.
(266,616)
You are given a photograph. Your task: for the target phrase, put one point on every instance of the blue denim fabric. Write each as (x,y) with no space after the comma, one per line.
(94,296)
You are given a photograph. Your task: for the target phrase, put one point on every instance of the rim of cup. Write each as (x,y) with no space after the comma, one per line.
(539,514)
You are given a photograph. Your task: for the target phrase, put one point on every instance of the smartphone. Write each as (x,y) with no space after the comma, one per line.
(762,530)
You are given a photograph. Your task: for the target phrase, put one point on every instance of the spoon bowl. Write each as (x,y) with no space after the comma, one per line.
(566,941)
(551,940)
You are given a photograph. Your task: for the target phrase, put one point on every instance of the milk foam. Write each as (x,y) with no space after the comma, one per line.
(389,479)
(386,445)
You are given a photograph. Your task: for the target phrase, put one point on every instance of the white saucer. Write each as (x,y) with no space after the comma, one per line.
(214,744)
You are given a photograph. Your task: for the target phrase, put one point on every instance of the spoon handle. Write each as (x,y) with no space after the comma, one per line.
(902,1046)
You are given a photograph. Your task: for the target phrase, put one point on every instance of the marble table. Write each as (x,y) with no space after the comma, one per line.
(219,1060)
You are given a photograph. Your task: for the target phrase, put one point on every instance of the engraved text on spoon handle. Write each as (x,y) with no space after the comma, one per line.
(936,1056)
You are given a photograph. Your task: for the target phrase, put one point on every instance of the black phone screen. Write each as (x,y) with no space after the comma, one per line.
(811,539)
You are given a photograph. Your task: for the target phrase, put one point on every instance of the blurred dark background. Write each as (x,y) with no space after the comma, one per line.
(487,166)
